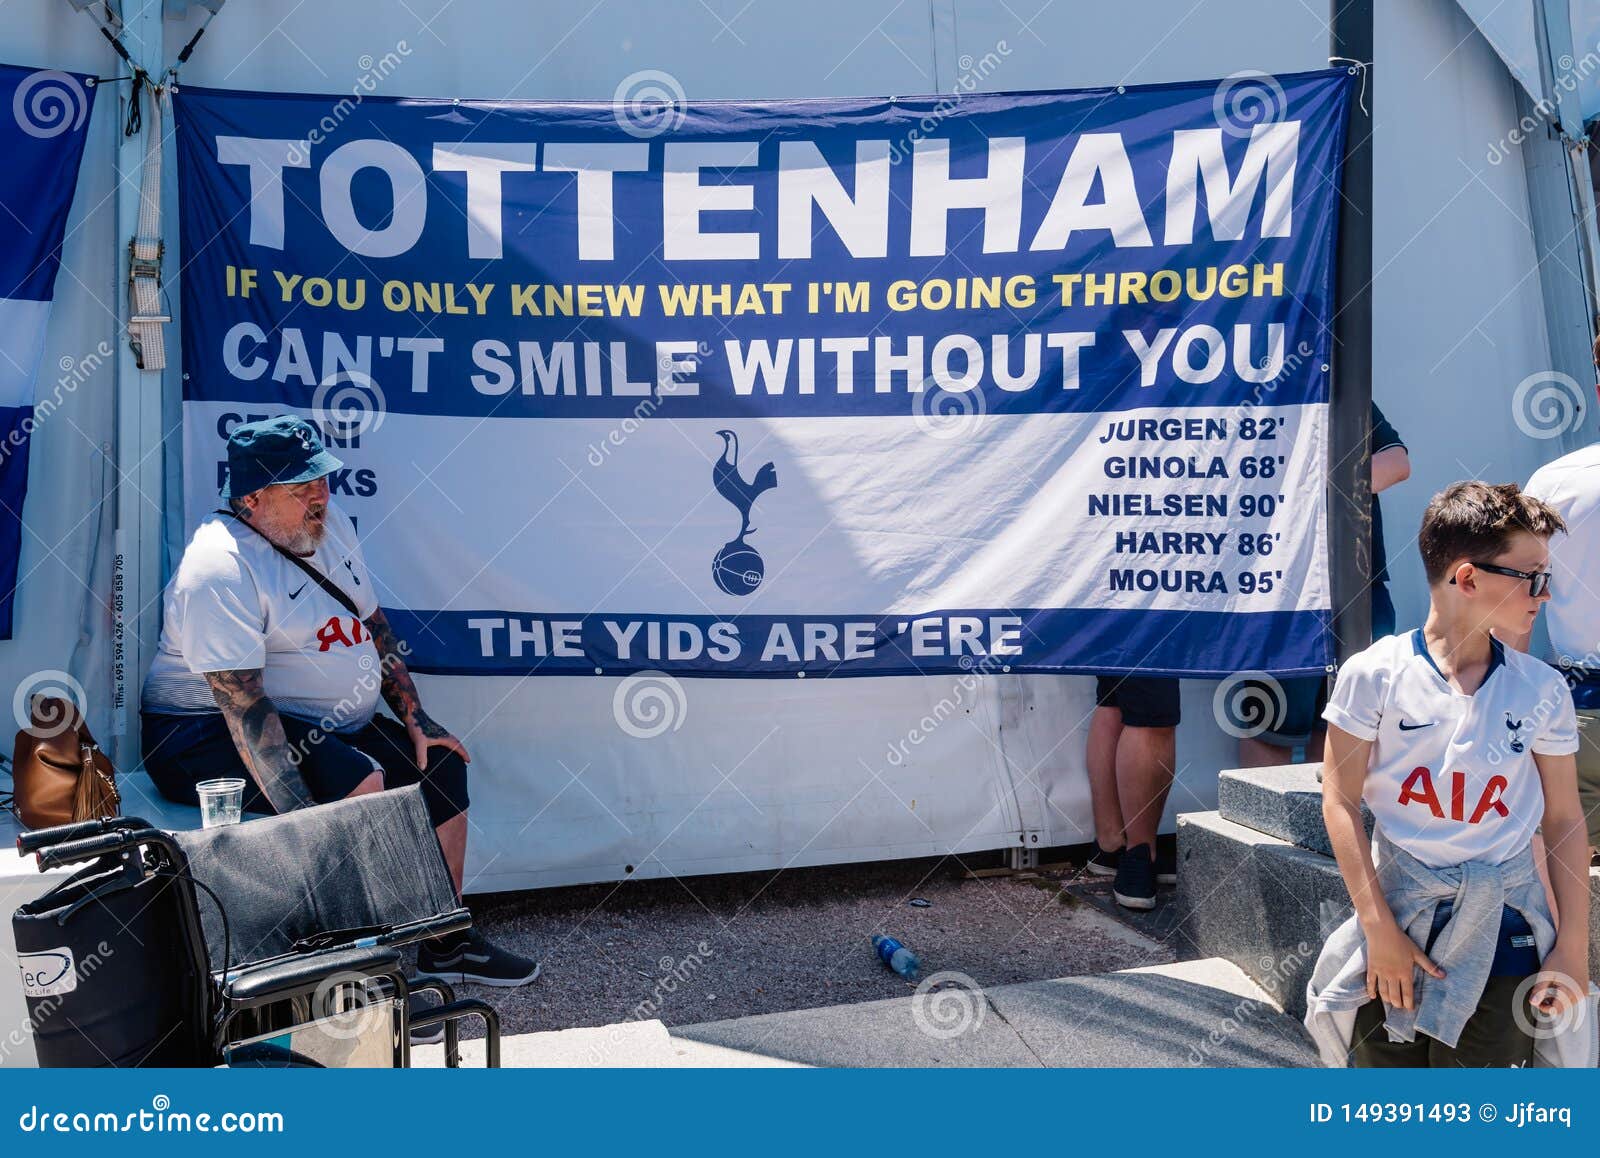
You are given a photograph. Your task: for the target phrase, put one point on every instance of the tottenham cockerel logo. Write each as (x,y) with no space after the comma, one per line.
(738,567)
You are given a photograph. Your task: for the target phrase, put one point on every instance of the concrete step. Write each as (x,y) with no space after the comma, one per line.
(1192,1013)
(1283,801)
(1267,904)
(1257,901)
(630,1044)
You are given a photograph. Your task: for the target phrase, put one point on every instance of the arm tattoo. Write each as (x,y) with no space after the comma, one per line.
(399,692)
(258,734)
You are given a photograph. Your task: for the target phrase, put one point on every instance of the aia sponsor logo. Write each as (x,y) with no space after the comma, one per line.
(1419,790)
(334,632)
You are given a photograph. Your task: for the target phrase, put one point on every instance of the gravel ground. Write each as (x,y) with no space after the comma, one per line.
(707,948)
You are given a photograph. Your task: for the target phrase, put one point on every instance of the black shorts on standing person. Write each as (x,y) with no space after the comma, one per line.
(1130,756)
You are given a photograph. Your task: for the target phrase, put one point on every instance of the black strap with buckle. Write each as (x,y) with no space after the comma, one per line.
(317,577)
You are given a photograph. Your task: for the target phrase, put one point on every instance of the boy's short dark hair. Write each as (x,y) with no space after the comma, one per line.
(1475,520)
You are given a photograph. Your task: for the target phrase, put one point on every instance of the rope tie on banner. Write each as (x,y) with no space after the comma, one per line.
(1355,66)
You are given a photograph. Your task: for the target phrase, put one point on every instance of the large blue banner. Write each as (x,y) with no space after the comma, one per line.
(44,122)
(1036,382)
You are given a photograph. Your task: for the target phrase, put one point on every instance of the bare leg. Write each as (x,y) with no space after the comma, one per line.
(1254,753)
(453,840)
(373,783)
(1105,726)
(1145,759)
(1314,746)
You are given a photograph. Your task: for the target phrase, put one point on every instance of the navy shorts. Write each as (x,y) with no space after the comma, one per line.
(181,751)
(1304,697)
(1145,701)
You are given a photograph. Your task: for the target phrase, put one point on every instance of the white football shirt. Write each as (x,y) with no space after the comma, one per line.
(235,603)
(1571,484)
(1451,778)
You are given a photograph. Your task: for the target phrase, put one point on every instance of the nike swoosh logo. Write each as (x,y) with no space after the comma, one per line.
(295,594)
(1405,727)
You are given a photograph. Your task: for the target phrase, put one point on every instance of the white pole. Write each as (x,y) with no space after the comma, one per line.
(137,538)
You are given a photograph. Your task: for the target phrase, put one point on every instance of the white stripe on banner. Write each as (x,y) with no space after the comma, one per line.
(22,329)
(1043,511)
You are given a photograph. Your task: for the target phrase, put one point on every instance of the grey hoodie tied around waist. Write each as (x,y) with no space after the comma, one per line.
(1464,950)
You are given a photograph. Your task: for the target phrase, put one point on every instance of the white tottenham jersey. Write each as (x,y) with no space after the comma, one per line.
(1571,485)
(236,603)
(1451,777)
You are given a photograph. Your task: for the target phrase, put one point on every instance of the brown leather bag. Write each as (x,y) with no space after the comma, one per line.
(59,772)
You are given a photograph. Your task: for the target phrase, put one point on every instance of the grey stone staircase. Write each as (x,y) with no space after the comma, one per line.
(1257,884)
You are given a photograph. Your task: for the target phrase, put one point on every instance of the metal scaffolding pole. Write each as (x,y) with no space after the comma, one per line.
(1350,418)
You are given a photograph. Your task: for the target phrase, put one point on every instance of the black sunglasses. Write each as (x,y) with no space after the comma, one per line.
(1538,581)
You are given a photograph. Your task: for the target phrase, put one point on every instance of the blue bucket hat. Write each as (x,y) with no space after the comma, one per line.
(285,449)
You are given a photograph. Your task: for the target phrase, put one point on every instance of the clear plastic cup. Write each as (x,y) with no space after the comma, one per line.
(220,801)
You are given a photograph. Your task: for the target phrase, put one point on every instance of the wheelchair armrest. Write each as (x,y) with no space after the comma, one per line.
(287,977)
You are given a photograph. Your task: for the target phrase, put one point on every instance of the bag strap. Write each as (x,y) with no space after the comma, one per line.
(317,577)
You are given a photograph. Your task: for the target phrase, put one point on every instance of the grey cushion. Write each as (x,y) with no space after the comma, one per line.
(369,861)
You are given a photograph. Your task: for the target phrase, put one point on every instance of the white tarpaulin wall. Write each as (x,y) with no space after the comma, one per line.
(764,774)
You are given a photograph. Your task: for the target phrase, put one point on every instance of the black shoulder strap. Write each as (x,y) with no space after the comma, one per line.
(317,577)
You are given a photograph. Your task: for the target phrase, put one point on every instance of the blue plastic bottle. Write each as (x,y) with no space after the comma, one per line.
(896,956)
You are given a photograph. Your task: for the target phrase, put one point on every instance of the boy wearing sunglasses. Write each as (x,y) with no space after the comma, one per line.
(1462,748)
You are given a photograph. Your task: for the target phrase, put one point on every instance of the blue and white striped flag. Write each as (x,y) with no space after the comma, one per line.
(44,121)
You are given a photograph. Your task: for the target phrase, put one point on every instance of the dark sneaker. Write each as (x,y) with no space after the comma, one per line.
(469,957)
(1135,886)
(1166,867)
(1103,863)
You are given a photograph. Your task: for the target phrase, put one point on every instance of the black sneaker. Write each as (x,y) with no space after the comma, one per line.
(1103,863)
(1135,886)
(1166,866)
(469,957)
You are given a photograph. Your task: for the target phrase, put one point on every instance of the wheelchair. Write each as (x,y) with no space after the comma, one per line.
(272,943)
